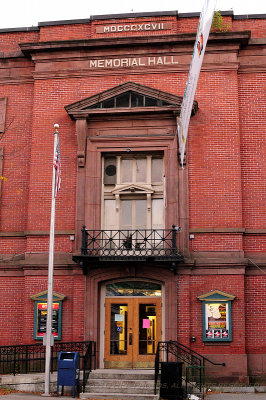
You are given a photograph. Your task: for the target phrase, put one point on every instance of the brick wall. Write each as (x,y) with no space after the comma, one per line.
(255,315)
(17,308)
(16,143)
(12,310)
(255,26)
(9,41)
(226,165)
(65,32)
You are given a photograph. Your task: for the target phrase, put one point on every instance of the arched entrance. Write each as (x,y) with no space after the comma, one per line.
(132,323)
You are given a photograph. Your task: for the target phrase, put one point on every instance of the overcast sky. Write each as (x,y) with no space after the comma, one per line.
(25,13)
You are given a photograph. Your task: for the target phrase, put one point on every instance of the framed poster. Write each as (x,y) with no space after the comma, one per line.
(41,319)
(40,315)
(216,316)
(217,321)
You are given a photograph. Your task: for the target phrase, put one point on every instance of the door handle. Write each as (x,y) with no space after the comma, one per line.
(130,339)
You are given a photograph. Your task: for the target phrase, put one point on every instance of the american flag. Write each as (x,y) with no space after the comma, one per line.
(57,167)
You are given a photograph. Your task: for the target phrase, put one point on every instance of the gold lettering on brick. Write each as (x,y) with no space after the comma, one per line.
(101,63)
(166,61)
(124,62)
(128,62)
(116,62)
(118,28)
(152,60)
(173,61)
(93,63)
(134,62)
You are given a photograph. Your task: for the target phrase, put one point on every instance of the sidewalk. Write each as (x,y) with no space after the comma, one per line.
(30,396)
(216,396)
(236,396)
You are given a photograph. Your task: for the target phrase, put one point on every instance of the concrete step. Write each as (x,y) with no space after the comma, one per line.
(118,396)
(120,384)
(122,374)
(127,390)
(139,383)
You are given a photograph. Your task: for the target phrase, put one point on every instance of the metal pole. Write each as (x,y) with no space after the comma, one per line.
(50,282)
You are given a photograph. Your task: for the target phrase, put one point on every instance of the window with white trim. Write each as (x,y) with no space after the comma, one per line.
(133,192)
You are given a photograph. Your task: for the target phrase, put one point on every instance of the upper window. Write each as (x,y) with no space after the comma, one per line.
(133,192)
(133,169)
(130,99)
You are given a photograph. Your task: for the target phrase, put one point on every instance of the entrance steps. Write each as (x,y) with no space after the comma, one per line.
(116,384)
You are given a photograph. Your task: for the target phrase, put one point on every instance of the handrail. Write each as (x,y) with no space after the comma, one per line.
(184,353)
(88,359)
(156,367)
(172,347)
(198,354)
(31,357)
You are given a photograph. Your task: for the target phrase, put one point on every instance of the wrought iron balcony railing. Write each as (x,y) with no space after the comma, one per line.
(131,244)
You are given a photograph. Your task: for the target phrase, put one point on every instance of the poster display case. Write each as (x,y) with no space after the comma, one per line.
(40,315)
(216,316)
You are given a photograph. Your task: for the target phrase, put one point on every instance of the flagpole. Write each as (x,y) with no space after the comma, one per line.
(49,338)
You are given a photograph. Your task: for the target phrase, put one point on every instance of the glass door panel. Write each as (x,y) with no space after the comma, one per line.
(118,333)
(132,331)
(118,329)
(147,328)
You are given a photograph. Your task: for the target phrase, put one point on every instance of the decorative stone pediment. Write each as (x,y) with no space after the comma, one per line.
(216,295)
(129,189)
(42,296)
(127,98)
(101,102)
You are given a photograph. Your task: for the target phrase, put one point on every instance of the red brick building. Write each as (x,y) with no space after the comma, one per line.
(114,84)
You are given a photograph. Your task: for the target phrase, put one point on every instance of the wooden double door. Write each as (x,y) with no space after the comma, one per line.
(133,327)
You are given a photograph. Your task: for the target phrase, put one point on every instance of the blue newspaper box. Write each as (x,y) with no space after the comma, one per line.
(68,371)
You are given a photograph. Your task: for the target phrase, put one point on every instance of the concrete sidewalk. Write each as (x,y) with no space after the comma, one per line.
(236,396)
(31,396)
(215,396)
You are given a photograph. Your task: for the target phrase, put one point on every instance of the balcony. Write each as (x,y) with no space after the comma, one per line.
(145,245)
